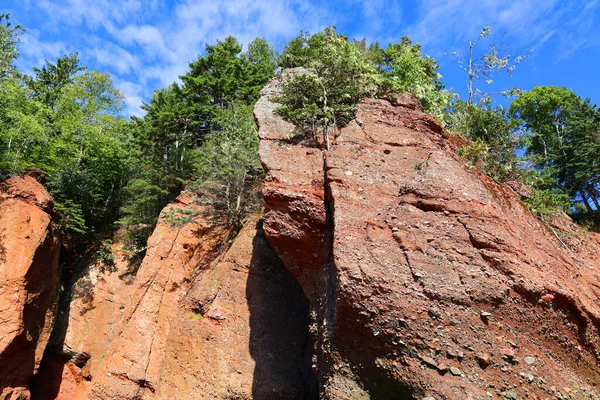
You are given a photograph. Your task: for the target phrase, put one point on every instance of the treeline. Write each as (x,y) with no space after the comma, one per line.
(65,124)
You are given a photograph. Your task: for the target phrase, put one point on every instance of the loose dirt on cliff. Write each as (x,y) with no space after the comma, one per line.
(426,278)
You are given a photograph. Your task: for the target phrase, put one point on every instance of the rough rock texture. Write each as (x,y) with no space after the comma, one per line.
(193,323)
(86,323)
(29,251)
(243,330)
(182,242)
(437,282)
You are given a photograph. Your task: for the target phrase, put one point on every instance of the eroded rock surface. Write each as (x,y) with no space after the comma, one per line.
(86,323)
(243,330)
(187,237)
(29,252)
(204,317)
(437,281)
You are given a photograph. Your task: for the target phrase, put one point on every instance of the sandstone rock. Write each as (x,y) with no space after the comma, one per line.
(411,228)
(193,324)
(85,324)
(29,251)
(242,331)
(132,363)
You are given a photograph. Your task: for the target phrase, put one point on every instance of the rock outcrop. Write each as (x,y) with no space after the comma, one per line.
(202,317)
(426,278)
(187,237)
(86,323)
(29,279)
(243,330)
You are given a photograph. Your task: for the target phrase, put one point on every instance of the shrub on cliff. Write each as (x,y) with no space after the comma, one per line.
(342,72)
(493,143)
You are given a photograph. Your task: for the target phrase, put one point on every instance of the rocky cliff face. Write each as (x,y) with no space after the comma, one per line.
(190,322)
(382,268)
(29,252)
(426,278)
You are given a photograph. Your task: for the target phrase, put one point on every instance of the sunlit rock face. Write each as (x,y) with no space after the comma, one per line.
(425,277)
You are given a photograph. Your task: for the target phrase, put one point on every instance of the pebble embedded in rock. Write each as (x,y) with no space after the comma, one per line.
(509,354)
(511,395)
(485,316)
(483,359)
(529,360)
(429,361)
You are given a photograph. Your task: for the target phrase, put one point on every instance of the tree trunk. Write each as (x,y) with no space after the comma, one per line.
(471,73)
(586,203)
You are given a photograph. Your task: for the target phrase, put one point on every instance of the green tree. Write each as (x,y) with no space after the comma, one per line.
(482,66)
(9,39)
(342,72)
(340,75)
(491,133)
(225,75)
(227,165)
(53,77)
(405,69)
(197,134)
(561,139)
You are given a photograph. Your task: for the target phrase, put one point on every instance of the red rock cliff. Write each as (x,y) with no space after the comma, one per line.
(202,318)
(426,278)
(29,251)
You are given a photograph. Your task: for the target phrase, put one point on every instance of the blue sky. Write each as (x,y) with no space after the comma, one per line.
(146,44)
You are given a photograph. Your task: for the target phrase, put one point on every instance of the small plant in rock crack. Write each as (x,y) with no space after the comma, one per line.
(106,256)
(178,218)
(420,165)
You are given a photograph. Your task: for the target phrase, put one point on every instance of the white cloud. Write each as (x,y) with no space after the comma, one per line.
(134,97)
(146,44)
(443,25)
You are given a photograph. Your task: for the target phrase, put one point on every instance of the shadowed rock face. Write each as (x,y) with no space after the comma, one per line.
(425,277)
(242,332)
(190,323)
(86,323)
(29,252)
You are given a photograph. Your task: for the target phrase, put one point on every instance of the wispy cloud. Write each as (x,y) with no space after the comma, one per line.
(149,43)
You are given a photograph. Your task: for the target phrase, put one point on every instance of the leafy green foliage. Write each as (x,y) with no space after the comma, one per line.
(227,166)
(546,197)
(340,75)
(105,255)
(64,123)
(562,140)
(493,145)
(200,134)
(342,72)
(223,76)
(405,69)
(9,39)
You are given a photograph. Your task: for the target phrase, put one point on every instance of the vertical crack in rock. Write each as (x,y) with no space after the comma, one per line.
(414,264)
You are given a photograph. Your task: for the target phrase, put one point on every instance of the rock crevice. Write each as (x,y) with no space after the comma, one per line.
(410,248)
